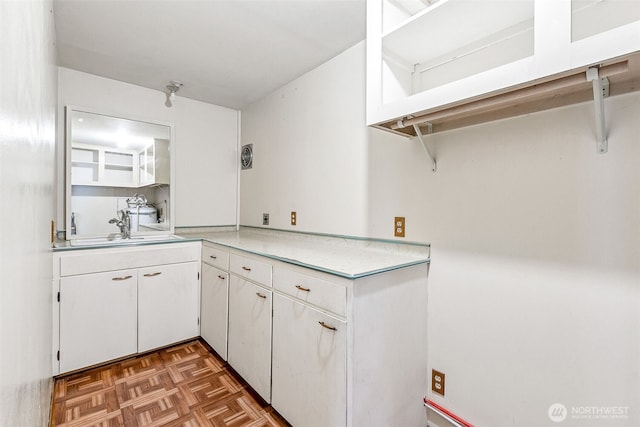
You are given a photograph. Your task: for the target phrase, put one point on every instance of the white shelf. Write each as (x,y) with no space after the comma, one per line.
(456,52)
(94,165)
(119,158)
(449,25)
(118,166)
(83,163)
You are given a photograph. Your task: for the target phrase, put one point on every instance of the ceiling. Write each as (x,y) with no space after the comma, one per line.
(225,52)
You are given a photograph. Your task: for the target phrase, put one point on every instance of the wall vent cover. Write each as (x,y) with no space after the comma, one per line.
(246,156)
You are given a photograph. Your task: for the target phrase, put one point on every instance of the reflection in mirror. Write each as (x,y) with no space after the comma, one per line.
(118,176)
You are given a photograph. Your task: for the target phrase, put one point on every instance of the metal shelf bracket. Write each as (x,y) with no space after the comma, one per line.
(424,143)
(600,91)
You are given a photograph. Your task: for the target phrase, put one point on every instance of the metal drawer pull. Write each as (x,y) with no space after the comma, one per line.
(324,325)
(300,288)
(213,257)
(221,277)
(261,295)
(122,278)
(246,268)
(157,273)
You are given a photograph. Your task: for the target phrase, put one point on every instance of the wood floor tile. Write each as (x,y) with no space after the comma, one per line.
(186,385)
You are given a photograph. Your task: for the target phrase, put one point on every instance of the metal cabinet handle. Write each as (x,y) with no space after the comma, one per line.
(213,257)
(261,295)
(157,273)
(221,277)
(246,268)
(122,278)
(324,325)
(300,288)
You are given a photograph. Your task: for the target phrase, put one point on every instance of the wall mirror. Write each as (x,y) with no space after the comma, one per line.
(117,168)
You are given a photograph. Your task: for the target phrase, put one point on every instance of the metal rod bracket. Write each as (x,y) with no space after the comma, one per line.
(420,137)
(600,91)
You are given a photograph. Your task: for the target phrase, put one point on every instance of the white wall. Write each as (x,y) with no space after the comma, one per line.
(534,286)
(206,143)
(535,276)
(309,154)
(27,135)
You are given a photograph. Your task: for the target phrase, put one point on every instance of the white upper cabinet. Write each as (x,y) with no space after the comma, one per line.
(153,163)
(424,55)
(101,166)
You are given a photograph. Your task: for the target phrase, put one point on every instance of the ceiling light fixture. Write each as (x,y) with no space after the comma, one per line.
(172,88)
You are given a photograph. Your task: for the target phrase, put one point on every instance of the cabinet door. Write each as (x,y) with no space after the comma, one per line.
(154,163)
(145,167)
(97,318)
(168,304)
(309,365)
(249,347)
(161,161)
(213,308)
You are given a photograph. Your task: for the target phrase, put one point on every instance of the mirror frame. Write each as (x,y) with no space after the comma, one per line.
(69,109)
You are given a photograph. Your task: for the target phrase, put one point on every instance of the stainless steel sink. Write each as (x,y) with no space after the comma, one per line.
(118,240)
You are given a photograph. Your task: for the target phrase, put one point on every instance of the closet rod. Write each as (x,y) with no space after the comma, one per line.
(505,99)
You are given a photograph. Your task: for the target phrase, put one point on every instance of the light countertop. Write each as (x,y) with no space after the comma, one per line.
(342,256)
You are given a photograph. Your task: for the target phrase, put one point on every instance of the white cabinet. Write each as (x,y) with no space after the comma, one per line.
(153,163)
(215,256)
(236,312)
(250,268)
(250,309)
(168,304)
(340,344)
(249,348)
(426,56)
(319,347)
(97,318)
(214,308)
(309,365)
(120,301)
(321,293)
(95,165)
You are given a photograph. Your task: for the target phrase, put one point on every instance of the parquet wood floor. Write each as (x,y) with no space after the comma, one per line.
(185,385)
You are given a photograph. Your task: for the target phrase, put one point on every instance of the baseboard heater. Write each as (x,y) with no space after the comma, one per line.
(437,416)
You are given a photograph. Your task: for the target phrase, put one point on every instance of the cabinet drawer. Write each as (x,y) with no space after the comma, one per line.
(321,293)
(215,257)
(252,269)
(120,258)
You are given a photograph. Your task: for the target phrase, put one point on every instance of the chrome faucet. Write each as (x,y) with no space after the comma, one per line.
(123,222)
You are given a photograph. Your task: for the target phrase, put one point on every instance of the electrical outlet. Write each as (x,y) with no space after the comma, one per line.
(293,217)
(265,219)
(399,226)
(437,382)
